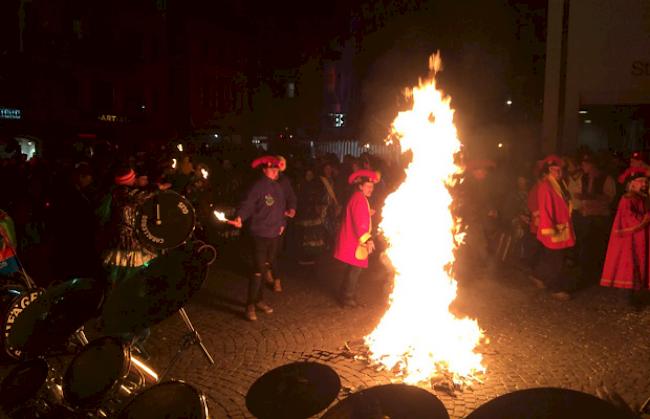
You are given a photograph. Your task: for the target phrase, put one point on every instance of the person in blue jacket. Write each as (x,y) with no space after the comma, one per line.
(263,209)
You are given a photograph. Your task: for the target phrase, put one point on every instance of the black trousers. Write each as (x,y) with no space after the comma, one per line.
(348,289)
(265,251)
(550,269)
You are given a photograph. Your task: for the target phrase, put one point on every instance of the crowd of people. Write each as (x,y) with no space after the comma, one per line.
(575,221)
(74,216)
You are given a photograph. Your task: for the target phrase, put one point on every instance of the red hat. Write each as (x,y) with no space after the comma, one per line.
(363,175)
(125,179)
(632,173)
(552,160)
(265,161)
(638,155)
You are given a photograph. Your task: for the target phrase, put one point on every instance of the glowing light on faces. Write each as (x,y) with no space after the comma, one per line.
(418,336)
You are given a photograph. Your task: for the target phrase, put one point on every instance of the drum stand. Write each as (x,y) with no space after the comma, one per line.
(191,338)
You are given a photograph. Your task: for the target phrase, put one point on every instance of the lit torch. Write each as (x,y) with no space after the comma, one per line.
(179,147)
(418,336)
(220,216)
(173,163)
(204,173)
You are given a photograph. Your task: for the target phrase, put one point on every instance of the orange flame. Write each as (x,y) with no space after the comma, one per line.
(418,335)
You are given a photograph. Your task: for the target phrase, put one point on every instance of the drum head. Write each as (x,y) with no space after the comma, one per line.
(23,383)
(94,371)
(14,302)
(297,390)
(155,292)
(170,400)
(547,403)
(164,221)
(396,401)
(61,310)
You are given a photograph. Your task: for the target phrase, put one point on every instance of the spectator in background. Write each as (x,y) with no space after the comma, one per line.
(74,226)
(592,220)
(555,230)
(478,208)
(312,207)
(626,263)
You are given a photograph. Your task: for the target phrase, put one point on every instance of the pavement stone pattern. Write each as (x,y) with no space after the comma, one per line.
(534,340)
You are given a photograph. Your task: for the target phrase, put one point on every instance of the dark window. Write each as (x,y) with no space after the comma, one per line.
(102,97)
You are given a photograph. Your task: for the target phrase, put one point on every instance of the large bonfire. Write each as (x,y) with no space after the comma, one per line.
(418,336)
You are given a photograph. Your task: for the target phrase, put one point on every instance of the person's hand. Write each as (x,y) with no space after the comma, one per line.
(371,246)
(236,222)
(290,213)
(281,230)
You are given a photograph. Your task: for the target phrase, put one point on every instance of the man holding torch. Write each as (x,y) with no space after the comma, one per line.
(264,207)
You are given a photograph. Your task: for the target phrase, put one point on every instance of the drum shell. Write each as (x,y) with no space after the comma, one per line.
(10,309)
(32,389)
(109,362)
(175,394)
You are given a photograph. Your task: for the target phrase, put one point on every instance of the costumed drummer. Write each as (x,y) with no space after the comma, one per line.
(354,243)
(124,254)
(8,260)
(264,211)
(626,263)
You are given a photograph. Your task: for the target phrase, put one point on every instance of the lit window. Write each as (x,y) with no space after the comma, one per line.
(338,119)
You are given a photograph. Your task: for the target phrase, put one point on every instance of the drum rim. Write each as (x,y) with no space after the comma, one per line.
(126,367)
(138,214)
(201,396)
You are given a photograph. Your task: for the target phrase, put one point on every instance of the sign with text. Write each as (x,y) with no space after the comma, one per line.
(10,113)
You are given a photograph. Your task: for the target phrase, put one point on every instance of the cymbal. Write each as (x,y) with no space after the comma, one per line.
(547,403)
(156,292)
(55,315)
(395,401)
(296,390)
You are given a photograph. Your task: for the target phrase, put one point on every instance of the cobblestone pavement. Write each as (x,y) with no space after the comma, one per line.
(534,340)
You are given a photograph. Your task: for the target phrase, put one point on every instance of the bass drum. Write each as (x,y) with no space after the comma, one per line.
(33,390)
(169,400)
(164,221)
(14,299)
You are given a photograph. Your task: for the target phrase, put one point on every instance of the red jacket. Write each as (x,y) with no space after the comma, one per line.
(555,226)
(355,230)
(626,263)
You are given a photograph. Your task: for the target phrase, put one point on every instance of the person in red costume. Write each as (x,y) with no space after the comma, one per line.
(354,242)
(626,263)
(555,230)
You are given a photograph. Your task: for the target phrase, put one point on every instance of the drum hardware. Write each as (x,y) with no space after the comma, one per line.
(191,338)
(33,389)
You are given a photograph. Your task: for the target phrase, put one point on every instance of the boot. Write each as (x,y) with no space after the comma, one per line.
(277,285)
(264,307)
(250,312)
(268,277)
